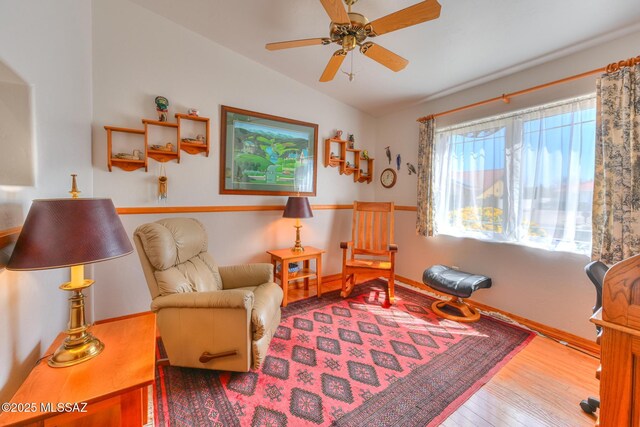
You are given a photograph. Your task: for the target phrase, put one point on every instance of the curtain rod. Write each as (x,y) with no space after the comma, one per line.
(506,97)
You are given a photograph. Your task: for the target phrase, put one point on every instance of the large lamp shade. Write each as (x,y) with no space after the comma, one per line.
(297,207)
(67,232)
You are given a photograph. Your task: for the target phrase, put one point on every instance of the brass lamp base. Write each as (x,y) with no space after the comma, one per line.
(80,345)
(298,246)
(73,354)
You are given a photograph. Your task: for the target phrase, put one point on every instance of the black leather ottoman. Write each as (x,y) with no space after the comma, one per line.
(459,285)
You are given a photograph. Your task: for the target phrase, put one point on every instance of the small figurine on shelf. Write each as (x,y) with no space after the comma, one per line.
(411,168)
(365,155)
(136,155)
(167,147)
(338,134)
(193,112)
(348,165)
(351,140)
(333,155)
(162,107)
(200,139)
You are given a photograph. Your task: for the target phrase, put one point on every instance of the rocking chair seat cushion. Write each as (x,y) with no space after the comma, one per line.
(454,282)
(368,263)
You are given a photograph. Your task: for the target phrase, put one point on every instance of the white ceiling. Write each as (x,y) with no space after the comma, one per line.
(471,42)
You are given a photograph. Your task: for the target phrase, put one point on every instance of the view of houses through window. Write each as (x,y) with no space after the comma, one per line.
(525,177)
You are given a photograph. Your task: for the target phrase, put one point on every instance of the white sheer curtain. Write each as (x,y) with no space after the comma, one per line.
(525,177)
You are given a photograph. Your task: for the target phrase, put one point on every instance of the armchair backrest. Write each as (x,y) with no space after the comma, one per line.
(372,228)
(175,258)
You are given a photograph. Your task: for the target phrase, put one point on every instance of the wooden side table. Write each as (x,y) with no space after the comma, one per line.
(110,389)
(285,256)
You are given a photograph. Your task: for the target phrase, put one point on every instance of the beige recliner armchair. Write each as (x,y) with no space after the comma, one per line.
(209,316)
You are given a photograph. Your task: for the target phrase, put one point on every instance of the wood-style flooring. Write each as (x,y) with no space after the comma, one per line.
(541,386)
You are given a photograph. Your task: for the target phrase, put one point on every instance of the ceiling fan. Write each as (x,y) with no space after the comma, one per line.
(351,29)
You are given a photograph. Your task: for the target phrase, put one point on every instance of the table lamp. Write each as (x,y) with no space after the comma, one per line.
(297,207)
(71,233)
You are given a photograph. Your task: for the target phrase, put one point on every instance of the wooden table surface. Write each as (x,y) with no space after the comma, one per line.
(127,363)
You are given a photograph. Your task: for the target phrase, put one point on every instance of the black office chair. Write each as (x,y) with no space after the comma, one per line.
(595,271)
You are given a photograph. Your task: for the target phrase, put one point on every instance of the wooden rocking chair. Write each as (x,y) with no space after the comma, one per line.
(372,248)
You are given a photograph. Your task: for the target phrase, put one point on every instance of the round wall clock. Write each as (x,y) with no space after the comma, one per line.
(388,178)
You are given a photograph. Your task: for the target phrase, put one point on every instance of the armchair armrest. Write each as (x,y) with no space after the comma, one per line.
(214,299)
(242,275)
(393,247)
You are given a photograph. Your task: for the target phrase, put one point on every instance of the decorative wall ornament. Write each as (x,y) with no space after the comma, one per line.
(267,155)
(162,107)
(163,185)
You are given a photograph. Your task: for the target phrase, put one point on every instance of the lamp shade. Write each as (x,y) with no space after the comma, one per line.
(67,232)
(297,207)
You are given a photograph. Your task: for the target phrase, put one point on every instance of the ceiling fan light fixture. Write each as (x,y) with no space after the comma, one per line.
(350,29)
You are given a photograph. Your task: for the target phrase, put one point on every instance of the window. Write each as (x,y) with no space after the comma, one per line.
(525,177)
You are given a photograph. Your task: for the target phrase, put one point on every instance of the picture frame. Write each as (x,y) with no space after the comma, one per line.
(261,154)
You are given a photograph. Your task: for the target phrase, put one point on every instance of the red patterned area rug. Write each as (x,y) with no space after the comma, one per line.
(347,362)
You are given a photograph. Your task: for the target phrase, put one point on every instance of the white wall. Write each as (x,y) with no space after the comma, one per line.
(548,287)
(47,44)
(147,56)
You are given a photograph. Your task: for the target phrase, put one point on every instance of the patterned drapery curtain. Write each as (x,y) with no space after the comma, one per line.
(616,195)
(424,224)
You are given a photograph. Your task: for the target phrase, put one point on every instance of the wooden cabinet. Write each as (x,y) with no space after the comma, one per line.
(350,161)
(131,155)
(619,318)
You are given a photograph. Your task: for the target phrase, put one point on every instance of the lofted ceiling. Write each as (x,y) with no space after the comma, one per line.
(472,41)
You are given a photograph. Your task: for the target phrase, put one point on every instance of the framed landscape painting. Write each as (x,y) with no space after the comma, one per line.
(266,155)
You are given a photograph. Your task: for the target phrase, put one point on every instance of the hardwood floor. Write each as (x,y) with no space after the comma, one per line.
(541,386)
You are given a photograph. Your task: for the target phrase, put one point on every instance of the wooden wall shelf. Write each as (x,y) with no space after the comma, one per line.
(186,144)
(160,155)
(124,164)
(340,160)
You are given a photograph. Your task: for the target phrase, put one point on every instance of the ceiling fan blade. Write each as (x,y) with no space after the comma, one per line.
(336,11)
(333,66)
(412,15)
(297,43)
(383,56)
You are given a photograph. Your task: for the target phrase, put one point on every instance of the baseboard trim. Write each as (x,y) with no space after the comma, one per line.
(331,277)
(572,340)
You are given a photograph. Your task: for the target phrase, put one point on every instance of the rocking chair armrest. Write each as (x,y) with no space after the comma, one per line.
(393,247)
(345,245)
